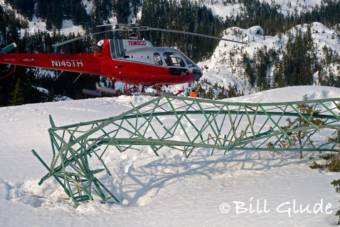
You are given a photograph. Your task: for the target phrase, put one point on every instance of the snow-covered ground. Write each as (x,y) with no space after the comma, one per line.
(169,190)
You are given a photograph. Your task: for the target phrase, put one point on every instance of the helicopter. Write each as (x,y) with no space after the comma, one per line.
(131,61)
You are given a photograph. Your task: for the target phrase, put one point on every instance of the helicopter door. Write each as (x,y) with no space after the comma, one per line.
(175,63)
(117,48)
(173,60)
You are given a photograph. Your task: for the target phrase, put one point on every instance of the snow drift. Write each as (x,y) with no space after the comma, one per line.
(169,190)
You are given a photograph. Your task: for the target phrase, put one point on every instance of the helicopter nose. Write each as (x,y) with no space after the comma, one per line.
(197,72)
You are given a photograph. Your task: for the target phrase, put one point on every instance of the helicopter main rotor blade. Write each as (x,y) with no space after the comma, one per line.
(142,29)
(193,34)
(120,26)
(146,28)
(84,37)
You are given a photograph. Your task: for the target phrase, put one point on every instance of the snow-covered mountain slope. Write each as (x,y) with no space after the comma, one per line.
(227,8)
(223,8)
(88,5)
(296,6)
(226,66)
(37,24)
(169,190)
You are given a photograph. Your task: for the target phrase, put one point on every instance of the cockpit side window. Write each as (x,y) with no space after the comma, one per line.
(157,59)
(172,59)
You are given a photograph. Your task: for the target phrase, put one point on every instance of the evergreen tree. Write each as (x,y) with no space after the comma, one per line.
(279,80)
(2,98)
(185,16)
(249,70)
(299,59)
(262,65)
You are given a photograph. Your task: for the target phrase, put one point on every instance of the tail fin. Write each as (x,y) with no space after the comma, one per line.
(9,48)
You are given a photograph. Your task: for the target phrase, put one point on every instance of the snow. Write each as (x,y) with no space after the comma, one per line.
(7,7)
(169,190)
(43,73)
(296,93)
(38,24)
(222,9)
(68,27)
(297,6)
(88,5)
(35,25)
(61,98)
(42,90)
(287,7)
(113,20)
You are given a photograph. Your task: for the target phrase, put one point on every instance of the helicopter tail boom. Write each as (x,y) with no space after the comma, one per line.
(82,63)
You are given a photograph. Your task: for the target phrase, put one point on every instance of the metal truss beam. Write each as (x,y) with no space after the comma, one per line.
(185,124)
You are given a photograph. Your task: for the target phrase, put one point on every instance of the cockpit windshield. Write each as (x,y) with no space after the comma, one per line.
(187,60)
(172,59)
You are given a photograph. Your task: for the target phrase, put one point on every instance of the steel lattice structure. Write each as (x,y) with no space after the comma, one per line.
(185,124)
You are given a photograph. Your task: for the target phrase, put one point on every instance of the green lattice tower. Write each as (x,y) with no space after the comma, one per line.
(185,124)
